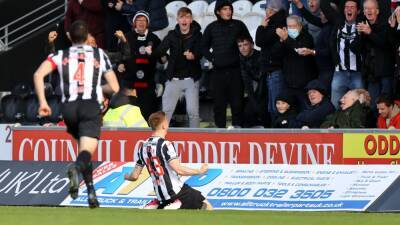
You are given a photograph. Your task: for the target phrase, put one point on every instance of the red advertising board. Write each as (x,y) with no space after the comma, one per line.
(193,147)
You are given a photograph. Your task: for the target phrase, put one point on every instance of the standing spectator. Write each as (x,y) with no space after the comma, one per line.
(313,10)
(352,114)
(90,11)
(345,44)
(379,57)
(114,20)
(155,8)
(140,67)
(254,85)
(183,70)
(394,22)
(271,54)
(226,82)
(389,112)
(56,40)
(323,54)
(318,108)
(299,66)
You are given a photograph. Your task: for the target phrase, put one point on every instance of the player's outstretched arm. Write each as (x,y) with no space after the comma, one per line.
(134,175)
(38,79)
(185,171)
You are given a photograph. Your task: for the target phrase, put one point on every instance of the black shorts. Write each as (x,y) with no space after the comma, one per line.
(83,118)
(190,198)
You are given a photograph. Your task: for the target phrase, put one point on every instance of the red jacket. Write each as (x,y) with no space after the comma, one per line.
(394,122)
(90,11)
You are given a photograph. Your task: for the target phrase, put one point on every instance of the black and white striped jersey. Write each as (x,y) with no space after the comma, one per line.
(80,68)
(349,61)
(155,154)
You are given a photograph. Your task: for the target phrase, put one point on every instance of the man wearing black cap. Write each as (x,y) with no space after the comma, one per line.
(139,69)
(318,107)
(226,82)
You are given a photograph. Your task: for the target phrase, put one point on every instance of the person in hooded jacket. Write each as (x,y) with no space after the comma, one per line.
(285,118)
(183,70)
(318,107)
(225,80)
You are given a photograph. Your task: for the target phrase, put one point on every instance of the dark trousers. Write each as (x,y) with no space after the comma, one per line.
(227,87)
(255,113)
(147,101)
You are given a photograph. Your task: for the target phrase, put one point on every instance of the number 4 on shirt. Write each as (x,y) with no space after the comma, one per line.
(80,74)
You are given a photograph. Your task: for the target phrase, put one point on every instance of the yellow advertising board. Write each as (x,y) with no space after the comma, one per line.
(371,146)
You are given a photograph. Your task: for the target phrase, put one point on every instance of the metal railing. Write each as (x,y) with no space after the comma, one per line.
(31,22)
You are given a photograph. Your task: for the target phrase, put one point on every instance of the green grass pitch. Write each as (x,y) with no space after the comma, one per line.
(16,215)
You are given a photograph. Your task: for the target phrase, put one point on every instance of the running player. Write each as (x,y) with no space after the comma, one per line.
(162,162)
(81,68)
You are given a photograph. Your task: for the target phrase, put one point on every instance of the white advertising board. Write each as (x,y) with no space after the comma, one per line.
(255,187)
(6,141)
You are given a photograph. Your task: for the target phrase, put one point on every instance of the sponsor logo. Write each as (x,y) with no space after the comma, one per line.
(371,148)
(236,148)
(31,182)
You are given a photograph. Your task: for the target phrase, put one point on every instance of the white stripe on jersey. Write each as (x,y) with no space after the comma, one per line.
(91,68)
(342,45)
(157,152)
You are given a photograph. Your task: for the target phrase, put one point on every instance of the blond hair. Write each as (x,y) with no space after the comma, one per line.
(363,96)
(155,119)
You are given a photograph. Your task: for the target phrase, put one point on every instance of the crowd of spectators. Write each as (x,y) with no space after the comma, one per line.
(309,64)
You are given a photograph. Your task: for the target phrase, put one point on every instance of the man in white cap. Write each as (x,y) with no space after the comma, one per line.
(139,67)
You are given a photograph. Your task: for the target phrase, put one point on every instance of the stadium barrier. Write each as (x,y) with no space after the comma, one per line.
(226,186)
(238,146)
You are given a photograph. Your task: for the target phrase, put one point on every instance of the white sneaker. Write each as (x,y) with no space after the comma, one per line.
(174,205)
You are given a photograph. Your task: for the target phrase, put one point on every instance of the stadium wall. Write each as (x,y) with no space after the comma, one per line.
(242,146)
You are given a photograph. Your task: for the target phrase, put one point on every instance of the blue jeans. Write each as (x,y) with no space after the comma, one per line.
(275,84)
(342,82)
(383,85)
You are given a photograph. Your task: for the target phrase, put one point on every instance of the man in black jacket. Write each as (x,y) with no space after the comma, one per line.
(140,67)
(345,47)
(299,65)
(271,54)
(226,82)
(183,69)
(254,85)
(379,52)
